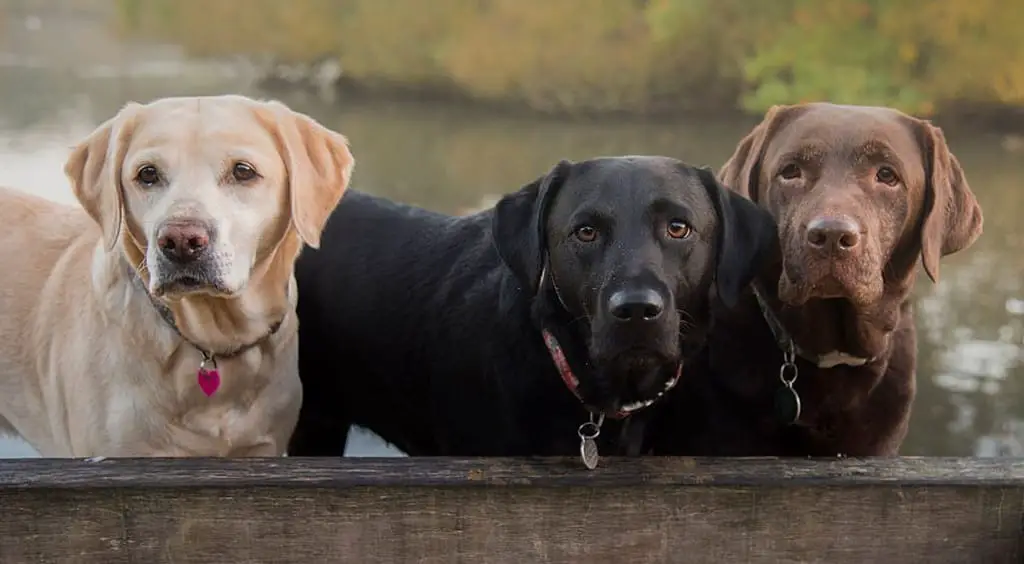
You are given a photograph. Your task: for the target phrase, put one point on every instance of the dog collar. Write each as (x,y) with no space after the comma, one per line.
(573,383)
(788,345)
(207,375)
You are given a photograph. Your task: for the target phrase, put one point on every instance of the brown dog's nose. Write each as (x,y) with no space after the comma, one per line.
(183,242)
(833,234)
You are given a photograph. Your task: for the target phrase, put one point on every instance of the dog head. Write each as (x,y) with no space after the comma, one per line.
(199,192)
(626,253)
(859,193)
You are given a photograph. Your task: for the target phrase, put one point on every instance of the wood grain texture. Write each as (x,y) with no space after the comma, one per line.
(424,510)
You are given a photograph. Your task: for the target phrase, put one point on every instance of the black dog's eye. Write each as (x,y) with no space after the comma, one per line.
(790,172)
(678,229)
(243,172)
(148,175)
(886,175)
(585,233)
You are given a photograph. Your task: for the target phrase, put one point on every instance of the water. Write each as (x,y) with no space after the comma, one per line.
(970,378)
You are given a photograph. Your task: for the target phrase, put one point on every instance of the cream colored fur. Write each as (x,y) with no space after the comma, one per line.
(87,365)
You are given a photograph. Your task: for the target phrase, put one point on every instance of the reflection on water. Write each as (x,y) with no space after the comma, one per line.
(970,378)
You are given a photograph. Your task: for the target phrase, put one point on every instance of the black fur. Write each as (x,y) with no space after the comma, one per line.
(425,328)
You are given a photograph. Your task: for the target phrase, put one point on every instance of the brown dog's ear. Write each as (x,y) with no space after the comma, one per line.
(741,173)
(319,166)
(953,219)
(94,169)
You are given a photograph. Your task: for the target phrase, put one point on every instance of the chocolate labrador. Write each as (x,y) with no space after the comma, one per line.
(819,358)
(500,333)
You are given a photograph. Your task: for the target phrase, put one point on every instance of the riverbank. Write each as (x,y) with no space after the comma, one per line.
(286,80)
(578,58)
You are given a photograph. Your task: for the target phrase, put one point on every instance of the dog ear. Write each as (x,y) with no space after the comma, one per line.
(952,216)
(94,170)
(742,172)
(747,235)
(319,166)
(519,226)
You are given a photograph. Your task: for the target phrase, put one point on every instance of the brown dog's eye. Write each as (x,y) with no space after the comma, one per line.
(678,229)
(243,172)
(887,175)
(586,233)
(790,172)
(148,175)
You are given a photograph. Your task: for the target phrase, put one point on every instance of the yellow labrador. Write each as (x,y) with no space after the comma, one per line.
(159,320)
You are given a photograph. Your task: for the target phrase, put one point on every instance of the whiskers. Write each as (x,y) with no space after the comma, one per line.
(583,317)
(686,322)
(142,268)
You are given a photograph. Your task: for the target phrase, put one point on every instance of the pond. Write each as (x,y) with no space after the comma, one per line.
(970,379)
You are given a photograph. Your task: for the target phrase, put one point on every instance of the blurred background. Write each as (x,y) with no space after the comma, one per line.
(449,103)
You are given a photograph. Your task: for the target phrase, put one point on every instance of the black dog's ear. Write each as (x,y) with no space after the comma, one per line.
(747,235)
(519,225)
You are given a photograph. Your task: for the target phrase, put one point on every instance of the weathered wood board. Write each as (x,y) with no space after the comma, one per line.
(434,510)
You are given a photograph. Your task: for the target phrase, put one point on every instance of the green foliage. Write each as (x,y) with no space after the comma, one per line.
(629,55)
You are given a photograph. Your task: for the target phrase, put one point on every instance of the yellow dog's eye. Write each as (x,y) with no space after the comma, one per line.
(243,172)
(678,229)
(148,175)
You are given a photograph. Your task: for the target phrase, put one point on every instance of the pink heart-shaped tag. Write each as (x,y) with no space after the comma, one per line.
(209,380)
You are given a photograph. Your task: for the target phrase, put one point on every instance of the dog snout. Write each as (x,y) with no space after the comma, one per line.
(636,305)
(183,241)
(833,234)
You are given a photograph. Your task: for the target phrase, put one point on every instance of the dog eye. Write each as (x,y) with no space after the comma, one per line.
(886,175)
(678,229)
(790,172)
(585,233)
(243,172)
(148,175)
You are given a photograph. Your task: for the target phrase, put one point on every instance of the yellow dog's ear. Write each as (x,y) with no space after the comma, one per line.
(319,166)
(94,169)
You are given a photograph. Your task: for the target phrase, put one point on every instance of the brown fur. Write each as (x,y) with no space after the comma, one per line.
(856,302)
(89,367)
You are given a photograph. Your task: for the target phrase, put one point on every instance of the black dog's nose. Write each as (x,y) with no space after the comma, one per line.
(636,305)
(183,241)
(833,234)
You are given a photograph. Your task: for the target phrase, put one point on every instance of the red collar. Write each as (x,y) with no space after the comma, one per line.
(573,383)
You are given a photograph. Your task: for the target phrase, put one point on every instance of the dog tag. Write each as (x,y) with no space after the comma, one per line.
(588,432)
(209,380)
(588,452)
(787,405)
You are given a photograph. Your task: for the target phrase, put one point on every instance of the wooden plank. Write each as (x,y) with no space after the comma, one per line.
(428,510)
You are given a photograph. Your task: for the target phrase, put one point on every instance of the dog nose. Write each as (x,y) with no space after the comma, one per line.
(636,305)
(183,242)
(833,234)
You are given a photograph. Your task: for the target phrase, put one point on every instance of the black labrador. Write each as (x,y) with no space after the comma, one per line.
(503,332)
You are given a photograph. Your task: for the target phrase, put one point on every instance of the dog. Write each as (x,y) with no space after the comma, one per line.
(819,358)
(157,319)
(515,330)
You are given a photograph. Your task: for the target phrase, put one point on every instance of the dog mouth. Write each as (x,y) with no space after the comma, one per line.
(637,405)
(825,281)
(634,379)
(186,284)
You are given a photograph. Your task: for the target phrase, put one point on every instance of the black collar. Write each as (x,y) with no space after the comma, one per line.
(208,354)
